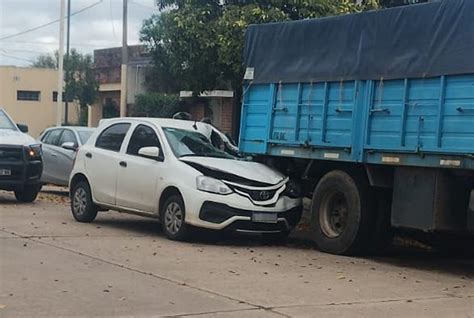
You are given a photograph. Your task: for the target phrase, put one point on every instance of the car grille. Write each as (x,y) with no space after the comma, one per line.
(257,195)
(11,153)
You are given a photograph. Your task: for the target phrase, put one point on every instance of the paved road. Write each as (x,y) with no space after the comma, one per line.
(121,265)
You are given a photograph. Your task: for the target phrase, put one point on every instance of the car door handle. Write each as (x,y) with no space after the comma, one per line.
(54,154)
(88,155)
(123,164)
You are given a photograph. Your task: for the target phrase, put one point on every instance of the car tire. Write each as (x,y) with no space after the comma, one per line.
(28,194)
(82,207)
(172,219)
(342,214)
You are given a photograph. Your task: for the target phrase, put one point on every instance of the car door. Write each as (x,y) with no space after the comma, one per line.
(138,177)
(65,157)
(102,161)
(50,142)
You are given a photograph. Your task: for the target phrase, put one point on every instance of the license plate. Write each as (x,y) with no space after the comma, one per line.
(5,172)
(264,217)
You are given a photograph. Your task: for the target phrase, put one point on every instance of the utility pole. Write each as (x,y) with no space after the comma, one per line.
(61,65)
(68,35)
(123,81)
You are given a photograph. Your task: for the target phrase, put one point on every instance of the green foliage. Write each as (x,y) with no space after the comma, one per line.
(156,105)
(197,44)
(45,61)
(81,84)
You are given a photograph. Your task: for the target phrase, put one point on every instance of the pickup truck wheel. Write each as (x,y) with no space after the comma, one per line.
(342,214)
(82,207)
(28,194)
(173,219)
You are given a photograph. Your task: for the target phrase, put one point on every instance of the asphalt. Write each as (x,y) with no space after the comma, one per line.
(121,265)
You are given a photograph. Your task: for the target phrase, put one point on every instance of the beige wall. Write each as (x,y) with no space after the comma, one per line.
(38,115)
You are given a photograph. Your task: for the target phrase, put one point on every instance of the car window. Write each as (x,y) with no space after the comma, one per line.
(52,138)
(143,136)
(112,137)
(68,136)
(45,136)
(5,122)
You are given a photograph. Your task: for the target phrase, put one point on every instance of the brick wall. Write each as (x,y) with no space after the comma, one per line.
(226,115)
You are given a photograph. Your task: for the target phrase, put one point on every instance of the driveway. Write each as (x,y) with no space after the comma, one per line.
(122,265)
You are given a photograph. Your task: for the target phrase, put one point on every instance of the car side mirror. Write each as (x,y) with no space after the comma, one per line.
(150,152)
(69,145)
(23,128)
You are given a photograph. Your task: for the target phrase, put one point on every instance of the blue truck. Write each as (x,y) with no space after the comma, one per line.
(372,115)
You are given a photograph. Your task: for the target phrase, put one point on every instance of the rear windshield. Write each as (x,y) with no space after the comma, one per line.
(84,135)
(5,122)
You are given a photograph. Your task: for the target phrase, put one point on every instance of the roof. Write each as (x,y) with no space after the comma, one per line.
(163,122)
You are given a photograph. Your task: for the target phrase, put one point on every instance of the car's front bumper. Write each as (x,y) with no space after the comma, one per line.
(234,212)
(23,172)
(218,213)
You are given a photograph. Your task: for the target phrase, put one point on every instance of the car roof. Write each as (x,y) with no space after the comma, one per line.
(163,122)
(77,128)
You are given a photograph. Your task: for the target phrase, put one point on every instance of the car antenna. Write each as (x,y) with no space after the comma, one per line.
(195,125)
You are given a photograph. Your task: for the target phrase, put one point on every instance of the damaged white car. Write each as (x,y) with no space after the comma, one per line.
(169,169)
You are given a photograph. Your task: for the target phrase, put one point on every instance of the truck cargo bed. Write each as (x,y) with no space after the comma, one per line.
(419,122)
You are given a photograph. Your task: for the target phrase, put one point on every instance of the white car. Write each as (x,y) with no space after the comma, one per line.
(168,169)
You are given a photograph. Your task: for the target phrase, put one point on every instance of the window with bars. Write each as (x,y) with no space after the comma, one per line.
(28,95)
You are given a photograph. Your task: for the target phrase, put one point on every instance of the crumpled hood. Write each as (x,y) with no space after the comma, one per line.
(15,137)
(235,170)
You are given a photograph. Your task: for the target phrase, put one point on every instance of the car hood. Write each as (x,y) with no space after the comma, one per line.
(15,137)
(238,171)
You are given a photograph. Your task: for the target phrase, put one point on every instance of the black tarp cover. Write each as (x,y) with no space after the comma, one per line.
(413,41)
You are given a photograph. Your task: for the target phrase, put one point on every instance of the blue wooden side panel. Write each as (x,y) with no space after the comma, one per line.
(426,115)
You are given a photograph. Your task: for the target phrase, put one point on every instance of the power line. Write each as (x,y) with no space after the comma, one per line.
(49,23)
(15,58)
(57,43)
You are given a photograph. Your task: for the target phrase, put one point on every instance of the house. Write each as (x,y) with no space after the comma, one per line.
(29,95)
(107,63)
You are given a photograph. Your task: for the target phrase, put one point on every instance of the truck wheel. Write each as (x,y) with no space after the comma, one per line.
(342,213)
(28,194)
(82,207)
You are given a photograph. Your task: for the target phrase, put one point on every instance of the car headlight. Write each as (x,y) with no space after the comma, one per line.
(212,185)
(34,152)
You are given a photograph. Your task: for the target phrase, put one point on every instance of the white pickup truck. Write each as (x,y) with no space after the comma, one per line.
(21,162)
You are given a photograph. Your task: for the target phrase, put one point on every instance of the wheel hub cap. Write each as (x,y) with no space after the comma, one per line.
(173,218)
(79,202)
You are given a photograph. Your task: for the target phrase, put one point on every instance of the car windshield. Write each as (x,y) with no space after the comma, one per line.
(186,143)
(84,135)
(5,122)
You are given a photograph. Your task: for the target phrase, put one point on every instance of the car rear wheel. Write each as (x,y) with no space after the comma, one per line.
(82,207)
(28,194)
(173,219)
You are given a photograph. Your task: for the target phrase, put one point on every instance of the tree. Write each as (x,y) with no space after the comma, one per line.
(45,61)
(197,44)
(156,105)
(81,84)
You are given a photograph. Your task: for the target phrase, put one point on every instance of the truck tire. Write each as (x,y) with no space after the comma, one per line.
(342,214)
(28,194)
(82,207)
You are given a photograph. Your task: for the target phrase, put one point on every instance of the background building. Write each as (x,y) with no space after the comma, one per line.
(107,63)
(29,95)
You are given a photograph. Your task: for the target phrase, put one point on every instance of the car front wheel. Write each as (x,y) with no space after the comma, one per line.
(173,219)
(82,207)
(28,194)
